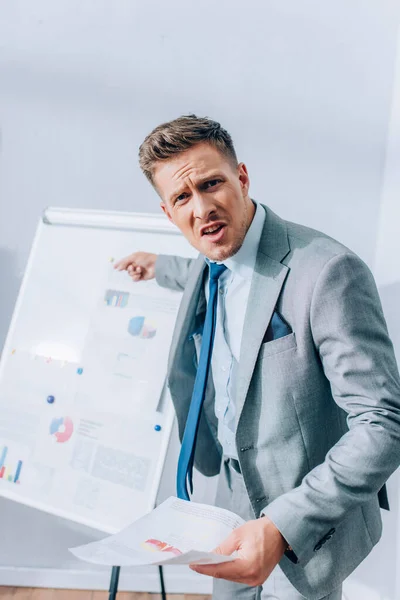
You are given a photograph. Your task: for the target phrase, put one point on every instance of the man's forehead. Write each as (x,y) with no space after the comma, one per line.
(188,164)
(175,173)
(194,168)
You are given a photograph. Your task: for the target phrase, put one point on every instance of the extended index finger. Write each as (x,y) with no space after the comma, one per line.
(124,263)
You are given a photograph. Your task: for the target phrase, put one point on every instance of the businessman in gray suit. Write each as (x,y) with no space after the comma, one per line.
(301,414)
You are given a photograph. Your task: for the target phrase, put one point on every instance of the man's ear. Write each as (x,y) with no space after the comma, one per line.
(244,178)
(166,211)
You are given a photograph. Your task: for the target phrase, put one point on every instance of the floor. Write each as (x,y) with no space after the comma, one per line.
(15,593)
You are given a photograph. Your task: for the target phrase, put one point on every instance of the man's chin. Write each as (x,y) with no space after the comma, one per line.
(218,254)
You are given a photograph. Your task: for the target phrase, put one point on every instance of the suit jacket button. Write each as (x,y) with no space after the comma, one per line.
(318,546)
(261,499)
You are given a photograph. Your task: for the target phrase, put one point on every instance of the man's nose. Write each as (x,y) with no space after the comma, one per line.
(203,206)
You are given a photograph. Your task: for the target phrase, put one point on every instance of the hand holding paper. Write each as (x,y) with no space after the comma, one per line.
(176,532)
(258,545)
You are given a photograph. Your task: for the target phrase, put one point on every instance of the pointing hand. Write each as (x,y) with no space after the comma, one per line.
(139,265)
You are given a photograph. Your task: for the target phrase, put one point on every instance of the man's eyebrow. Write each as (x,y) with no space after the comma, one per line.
(210,177)
(201,181)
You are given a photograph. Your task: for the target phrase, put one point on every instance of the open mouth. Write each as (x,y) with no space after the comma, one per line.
(214,233)
(213,230)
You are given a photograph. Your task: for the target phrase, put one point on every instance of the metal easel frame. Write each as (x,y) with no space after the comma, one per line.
(113,590)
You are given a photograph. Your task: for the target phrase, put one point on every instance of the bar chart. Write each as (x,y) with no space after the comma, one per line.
(116,298)
(6,471)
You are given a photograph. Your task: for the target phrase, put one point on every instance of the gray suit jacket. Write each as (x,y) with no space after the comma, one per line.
(318,410)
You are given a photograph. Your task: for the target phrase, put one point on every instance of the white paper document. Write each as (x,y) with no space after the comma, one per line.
(176,532)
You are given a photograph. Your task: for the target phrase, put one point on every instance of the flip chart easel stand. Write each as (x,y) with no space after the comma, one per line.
(115,578)
(114,583)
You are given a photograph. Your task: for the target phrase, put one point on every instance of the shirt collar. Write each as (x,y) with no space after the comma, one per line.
(244,260)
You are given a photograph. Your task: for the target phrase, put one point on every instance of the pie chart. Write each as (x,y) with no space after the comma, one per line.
(140,327)
(61,428)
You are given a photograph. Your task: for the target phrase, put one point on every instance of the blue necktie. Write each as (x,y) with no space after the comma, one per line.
(186,456)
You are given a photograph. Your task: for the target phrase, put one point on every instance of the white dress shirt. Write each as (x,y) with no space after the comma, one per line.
(233,294)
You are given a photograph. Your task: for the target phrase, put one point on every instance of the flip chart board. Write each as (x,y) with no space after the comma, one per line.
(85,416)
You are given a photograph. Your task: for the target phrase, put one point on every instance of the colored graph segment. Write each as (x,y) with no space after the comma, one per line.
(116,298)
(61,428)
(157,546)
(3,456)
(139,327)
(6,471)
(18,471)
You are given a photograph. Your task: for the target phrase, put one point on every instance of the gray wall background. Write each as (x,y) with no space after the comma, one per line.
(305,88)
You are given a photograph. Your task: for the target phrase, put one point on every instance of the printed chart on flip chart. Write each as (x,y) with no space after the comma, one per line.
(85,415)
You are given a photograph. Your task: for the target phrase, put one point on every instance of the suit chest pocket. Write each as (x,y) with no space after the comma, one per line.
(280,345)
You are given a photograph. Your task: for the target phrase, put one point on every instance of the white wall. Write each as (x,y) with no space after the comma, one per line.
(305,88)
(386,557)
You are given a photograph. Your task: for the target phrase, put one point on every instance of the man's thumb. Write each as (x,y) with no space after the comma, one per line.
(227,546)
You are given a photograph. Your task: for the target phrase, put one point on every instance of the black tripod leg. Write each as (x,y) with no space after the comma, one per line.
(114,583)
(163,594)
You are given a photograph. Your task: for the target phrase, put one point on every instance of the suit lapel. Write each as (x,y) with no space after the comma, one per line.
(267,281)
(193,301)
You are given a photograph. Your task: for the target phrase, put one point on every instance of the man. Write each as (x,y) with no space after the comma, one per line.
(302,407)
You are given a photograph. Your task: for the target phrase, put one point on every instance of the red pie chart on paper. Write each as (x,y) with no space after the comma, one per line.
(156,545)
(61,429)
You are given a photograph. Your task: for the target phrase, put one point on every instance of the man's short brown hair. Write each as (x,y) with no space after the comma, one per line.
(172,138)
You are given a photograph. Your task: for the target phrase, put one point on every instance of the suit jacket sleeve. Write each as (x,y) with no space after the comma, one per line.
(173,271)
(350,334)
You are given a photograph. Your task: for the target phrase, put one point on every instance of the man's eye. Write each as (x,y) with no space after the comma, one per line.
(211,183)
(180,197)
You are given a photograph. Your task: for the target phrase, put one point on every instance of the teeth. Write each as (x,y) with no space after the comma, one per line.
(212,229)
